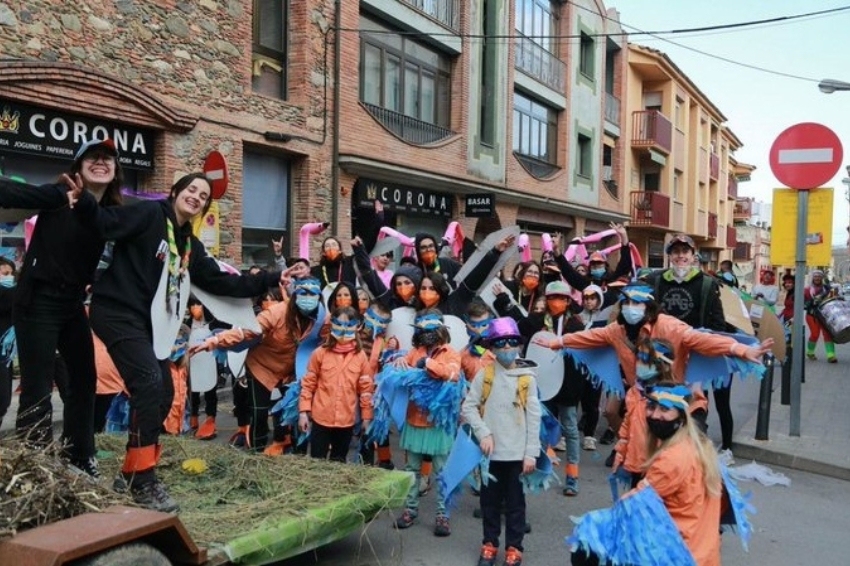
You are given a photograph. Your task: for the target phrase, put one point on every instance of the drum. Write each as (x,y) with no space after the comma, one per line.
(834,314)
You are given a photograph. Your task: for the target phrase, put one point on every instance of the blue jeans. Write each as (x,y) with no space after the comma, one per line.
(414,462)
(568,416)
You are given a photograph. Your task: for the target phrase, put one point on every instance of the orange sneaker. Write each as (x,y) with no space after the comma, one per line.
(242,437)
(207,430)
(275,449)
(513,557)
(488,555)
(193,423)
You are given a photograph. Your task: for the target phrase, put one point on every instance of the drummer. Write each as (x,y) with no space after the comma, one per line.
(814,295)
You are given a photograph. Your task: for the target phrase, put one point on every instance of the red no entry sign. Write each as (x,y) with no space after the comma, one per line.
(215,168)
(806,156)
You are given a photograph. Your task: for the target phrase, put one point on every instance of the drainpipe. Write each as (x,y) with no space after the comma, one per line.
(335,133)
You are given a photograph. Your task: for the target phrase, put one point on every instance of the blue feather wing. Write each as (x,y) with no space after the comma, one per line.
(717,371)
(463,459)
(739,507)
(602,366)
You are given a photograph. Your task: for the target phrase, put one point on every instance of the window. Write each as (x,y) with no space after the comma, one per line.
(268,68)
(655,255)
(651,181)
(677,180)
(678,114)
(403,76)
(489,45)
(586,62)
(265,205)
(535,129)
(584,167)
(537,20)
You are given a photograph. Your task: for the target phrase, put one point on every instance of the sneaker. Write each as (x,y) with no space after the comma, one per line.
(811,356)
(609,461)
(386,465)
(588,443)
(207,430)
(276,448)
(406,520)
(87,466)
(725,457)
(441,526)
(562,445)
(608,437)
(488,555)
(241,438)
(571,486)
(119,484)
(832,360)
(153,495)
(513,557)
(424,485)
(193,423)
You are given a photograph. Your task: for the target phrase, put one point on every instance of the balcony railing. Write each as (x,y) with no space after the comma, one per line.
(714,167)
(731,237)
(544,66)
(409,129)
(732,187)
(612,109)
(652,130)
(650,208)
(444,11)
(712,225)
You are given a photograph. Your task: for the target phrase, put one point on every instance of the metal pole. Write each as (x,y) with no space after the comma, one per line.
(785,391)
(799,315)
(763,418)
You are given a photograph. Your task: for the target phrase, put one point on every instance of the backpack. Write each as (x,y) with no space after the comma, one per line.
(523,384)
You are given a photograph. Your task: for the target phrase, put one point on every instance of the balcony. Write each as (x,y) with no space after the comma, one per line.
(540,64)
(712,225)
(612,109)
(650,209)
(714,167)
(743,209)
(652,130)
(411,130)
(731,237)
(732,188)
(444,11)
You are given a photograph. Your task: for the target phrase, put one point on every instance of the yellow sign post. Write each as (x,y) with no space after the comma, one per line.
(206,228)
(783,237)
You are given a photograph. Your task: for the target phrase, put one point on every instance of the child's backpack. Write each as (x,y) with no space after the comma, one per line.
(523,385)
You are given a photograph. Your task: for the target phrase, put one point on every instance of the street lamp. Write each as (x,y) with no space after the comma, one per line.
(828,86)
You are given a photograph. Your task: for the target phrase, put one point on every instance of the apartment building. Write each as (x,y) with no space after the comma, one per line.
(681,171)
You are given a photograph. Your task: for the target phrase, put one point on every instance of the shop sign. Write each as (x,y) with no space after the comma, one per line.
(398,198)
(480,206)
(47,133)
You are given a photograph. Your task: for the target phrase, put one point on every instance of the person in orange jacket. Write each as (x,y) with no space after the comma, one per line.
(336,383)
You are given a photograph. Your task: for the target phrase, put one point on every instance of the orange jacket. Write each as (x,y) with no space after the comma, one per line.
(632,444)
(472,364)
(676,475)
(333,386)
(443,364)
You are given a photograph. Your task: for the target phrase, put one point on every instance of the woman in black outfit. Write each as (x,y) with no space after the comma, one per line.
(48,312)
(154,254)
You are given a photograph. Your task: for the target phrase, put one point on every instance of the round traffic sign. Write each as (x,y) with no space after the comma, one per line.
(215,168)
(806,156)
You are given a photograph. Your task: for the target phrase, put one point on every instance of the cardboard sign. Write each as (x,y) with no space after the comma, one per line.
(767,325)
(735,311)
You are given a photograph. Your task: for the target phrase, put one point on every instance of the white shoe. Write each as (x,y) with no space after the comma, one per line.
(725,457)
(562,445)
(588,443)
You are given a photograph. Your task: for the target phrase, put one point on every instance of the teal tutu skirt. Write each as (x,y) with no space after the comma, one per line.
(425,440)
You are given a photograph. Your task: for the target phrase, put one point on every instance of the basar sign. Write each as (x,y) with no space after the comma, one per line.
(480,206)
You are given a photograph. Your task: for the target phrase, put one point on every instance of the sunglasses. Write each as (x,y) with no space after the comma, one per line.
(506,343)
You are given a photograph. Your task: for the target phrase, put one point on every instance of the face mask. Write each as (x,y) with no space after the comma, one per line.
(556,307)
(405,292)
(507,357)
(530,283)
(197,312)
(332,254)
(429,297)
(342,302)
(476,329)
(680,271)
(306,303)
(428,258)
(645,372)
(597,273)
(663,429)
(633,313)
(7,280)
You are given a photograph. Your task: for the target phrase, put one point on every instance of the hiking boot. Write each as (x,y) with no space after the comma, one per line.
(153,495)
(207,430)
(608,437)
(513,557)
(441,526)
(488,555)
(406,520)
(588,443)
(571,486)
(87,466)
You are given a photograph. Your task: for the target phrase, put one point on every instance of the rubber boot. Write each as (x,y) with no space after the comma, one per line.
(830,352)
(207,431)
(810,350)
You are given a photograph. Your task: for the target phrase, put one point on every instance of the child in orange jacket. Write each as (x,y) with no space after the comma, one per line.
(336,382)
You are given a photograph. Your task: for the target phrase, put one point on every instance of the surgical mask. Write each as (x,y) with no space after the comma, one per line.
(633,313)
(405,292)
(507,357)
(645,372)
(197,312)
(557,307)
(7,280)
(342,302)
(597,273)
(663,429)
(530,282)
(306,303)
(680,271)
(429,297)
(332,254)
(428,258)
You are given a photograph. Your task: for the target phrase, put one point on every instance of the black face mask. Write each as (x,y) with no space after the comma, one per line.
(428,338)
(663,429)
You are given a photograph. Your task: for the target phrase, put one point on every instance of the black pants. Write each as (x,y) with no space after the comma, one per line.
(722,402)
(55,321)
(324,438)
(582,558)
(258,405)
(5,389)
(241,408)
(210,403)
(101,409)
(507,490)
(590,398)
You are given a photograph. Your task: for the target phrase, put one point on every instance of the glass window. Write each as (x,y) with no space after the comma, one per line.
(265,205)
(585,156)
(587,48)
(535,129)
(268,62)
(371,75)
(537,20)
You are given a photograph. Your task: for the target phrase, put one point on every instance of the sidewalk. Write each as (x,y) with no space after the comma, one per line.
(823,446)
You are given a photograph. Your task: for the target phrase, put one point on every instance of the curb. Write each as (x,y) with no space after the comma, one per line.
(767,456)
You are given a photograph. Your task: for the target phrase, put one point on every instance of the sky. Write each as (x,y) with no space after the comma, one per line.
(759,106)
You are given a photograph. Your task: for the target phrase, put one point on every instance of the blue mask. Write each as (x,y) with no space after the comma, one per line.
(7,280)
(307,303)
(646,372)
(507,357)
(476,329)
(597,273)
(633,313)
